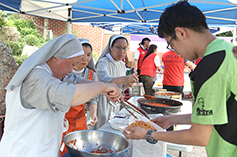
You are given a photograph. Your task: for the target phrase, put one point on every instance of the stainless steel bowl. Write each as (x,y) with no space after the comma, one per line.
(89,140)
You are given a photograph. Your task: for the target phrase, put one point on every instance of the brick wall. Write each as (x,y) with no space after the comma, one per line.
(93,34)
(97,36)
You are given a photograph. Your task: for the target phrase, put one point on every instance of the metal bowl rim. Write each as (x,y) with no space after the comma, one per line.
(95,131)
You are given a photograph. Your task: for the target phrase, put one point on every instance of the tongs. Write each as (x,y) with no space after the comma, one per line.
(124,106)
(134,108)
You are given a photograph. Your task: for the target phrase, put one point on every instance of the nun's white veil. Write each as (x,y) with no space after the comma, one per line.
(107,48)
(64,46)
(91,64)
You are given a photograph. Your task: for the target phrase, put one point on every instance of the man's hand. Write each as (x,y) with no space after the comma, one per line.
(135,133)
(163,121)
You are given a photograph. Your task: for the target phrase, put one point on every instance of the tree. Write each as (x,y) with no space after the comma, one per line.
(225,34)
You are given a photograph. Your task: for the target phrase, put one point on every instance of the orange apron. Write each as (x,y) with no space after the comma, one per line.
(76,117)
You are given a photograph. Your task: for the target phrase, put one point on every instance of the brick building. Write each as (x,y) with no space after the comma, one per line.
(97,36)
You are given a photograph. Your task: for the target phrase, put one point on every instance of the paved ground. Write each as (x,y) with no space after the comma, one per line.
(196,152)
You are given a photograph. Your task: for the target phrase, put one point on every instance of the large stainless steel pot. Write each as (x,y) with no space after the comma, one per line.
(150,109)
(88,140)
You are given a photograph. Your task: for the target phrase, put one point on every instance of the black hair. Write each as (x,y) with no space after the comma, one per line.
(181,14)
(117,39)
(150,50)
(143,41)
(235,49)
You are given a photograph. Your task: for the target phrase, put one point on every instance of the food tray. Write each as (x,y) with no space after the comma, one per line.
(168,95)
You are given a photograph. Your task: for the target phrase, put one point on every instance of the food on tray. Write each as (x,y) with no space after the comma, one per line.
(167,93)
(145,125)
(158,104)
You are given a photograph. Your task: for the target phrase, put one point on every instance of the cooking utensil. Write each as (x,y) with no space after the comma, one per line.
(139,110)
(89,140)
(151,109)
(132,107)
(128,110)
(152,90)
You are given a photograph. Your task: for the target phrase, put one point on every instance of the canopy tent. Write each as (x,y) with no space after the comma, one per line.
(221,12)
(130,28)
(217,12)
(222,29)
(149,28)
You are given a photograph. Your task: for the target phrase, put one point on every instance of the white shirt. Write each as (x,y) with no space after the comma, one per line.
(137,53)
(157,61)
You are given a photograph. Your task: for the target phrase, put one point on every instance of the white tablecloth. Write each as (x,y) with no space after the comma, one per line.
(186,108)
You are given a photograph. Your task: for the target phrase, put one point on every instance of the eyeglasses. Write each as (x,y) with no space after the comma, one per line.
(168,46)
(120,48)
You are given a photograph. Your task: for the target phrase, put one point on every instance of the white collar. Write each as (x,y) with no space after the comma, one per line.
(111,58)
(142,47)
(78,72)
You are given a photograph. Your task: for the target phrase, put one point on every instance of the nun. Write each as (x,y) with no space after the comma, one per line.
(111,69)
(76,116)
(37,99)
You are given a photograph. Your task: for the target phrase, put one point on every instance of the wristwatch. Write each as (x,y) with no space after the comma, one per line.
(149,137)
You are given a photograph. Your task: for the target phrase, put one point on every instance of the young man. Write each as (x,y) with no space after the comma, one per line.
(213,120)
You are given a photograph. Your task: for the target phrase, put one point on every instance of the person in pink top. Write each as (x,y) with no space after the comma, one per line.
(173,77)
(150,63)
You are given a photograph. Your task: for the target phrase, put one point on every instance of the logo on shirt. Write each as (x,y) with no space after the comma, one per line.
(201,111)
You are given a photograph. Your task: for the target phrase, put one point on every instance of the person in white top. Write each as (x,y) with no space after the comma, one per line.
(111,68)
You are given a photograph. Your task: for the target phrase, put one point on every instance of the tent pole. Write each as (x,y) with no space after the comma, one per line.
(69,27)
(235,36)
(101,42)
(69,21)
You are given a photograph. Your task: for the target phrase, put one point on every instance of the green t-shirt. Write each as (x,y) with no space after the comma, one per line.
(214,86)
